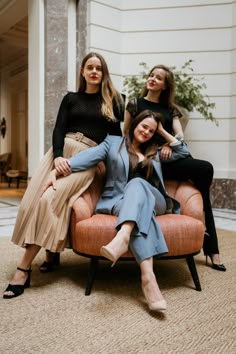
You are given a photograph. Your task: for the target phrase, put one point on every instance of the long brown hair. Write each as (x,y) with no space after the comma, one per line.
(149,148)
(167,96)
(108,92)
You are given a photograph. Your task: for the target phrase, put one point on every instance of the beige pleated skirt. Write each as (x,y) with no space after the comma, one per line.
(44,220)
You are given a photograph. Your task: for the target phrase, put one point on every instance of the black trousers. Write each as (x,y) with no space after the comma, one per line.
(200,172)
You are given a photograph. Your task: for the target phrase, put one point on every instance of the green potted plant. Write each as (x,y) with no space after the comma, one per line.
(188,95)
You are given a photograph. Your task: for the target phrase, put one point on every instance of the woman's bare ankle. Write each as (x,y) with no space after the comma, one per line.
(19,277)
(216,258)
(123,234)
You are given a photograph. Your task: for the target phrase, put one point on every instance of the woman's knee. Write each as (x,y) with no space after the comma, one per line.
(199,171)
(47,196)
(138,189)
(136,182)
(138,186)
(206,172)
(209,170)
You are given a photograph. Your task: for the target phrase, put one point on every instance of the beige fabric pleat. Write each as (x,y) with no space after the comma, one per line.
(44,220)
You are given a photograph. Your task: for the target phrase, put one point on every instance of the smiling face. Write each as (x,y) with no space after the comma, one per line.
(144,131)
(92,73)
(157,80)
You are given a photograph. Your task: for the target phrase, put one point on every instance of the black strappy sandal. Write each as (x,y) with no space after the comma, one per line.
(17,289)
(48,266)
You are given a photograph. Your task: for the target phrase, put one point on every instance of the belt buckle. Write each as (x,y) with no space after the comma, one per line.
(79,136)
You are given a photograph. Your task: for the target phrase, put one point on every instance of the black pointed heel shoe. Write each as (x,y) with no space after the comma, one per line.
(215,266)
(17,289)
(49,266)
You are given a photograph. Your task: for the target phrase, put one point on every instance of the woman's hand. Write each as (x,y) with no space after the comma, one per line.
(166,153)
(51,181)
(62,166)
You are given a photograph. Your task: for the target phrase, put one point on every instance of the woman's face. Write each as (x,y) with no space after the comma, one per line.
(144,130)
(156,80)
(92,72)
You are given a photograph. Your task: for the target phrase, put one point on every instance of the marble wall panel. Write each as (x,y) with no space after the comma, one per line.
(223,194)
(56,38)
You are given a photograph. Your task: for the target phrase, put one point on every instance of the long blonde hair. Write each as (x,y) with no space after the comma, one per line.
(108,92)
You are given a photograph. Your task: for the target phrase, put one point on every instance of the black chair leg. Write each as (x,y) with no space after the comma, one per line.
(91,274)
(193,271)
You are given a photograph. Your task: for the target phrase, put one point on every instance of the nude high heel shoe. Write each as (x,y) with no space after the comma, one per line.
(158,306)
(114,250)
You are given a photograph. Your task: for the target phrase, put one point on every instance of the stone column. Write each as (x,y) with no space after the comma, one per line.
(56,62)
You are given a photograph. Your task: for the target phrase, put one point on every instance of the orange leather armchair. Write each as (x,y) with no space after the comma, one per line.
(183,233)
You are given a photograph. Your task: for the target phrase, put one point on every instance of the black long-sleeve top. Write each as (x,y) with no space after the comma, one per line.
(81,112)
(134,107)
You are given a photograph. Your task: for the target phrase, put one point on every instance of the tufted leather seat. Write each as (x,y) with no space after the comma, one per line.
(183,233)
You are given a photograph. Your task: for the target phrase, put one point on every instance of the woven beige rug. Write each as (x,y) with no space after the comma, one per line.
(54,315)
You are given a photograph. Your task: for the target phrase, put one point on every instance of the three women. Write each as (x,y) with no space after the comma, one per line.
(99,108)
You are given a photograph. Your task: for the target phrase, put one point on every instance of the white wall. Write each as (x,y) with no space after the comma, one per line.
(105,35)
(171,32)
(232,134)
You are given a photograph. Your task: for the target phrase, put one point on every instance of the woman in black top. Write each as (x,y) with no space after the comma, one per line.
(93,111)
(158,96)
(84,119)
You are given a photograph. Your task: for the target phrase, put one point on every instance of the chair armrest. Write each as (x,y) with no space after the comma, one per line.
(83,207)
(188,196)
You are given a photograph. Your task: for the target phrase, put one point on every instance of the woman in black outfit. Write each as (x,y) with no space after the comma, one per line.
(158,96)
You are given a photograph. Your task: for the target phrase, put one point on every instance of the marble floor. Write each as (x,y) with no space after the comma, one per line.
(10,199)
